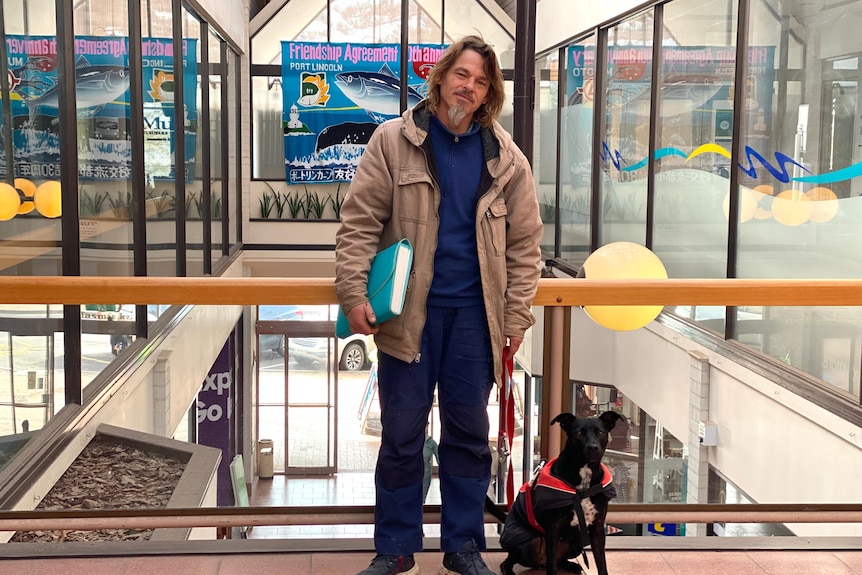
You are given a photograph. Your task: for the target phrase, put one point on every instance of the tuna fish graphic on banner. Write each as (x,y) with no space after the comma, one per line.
(335,95)
(102,96)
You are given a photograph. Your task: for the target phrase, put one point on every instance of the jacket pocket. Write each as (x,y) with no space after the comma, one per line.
(495,217)
(413,204)
(412,176)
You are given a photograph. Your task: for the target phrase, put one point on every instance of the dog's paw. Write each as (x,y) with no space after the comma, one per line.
(571,567)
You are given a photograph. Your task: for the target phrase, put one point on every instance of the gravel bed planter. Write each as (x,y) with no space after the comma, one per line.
(123,469)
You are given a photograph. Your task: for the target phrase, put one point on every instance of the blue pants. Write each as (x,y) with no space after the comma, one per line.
(456,358)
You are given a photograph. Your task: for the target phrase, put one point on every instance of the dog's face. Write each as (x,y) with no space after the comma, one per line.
(587,436)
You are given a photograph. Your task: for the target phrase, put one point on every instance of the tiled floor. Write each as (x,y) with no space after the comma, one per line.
(337,563)
(347,488)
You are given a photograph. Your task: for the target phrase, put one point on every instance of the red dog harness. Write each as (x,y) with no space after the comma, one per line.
(547,491)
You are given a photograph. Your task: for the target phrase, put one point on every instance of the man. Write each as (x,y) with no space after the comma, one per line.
(447,177)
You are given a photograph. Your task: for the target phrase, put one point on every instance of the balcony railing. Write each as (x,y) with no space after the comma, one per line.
(554,293)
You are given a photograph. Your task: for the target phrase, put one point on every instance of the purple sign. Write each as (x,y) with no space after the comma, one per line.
(214,419)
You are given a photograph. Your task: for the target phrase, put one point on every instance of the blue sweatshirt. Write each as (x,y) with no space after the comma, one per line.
(460,161)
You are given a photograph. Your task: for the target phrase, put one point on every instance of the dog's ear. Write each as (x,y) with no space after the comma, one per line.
(565,420)
(610,418)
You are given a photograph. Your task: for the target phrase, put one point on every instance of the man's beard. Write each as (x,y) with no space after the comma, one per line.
(457,114)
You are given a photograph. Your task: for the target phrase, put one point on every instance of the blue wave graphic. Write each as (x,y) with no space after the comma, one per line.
(617,160)
(782,176)
(779,172)
(659,154)
(847,173)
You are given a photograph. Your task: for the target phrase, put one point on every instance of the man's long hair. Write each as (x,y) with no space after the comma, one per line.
(487,112)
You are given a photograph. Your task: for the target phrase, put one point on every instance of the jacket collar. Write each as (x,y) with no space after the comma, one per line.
(417,122)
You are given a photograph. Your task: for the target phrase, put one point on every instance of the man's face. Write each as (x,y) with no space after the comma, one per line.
(464,87)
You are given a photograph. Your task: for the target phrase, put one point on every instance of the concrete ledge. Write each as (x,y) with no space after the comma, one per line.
(195,488)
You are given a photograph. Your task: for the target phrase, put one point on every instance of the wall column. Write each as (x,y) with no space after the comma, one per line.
(697,476)
(162,395)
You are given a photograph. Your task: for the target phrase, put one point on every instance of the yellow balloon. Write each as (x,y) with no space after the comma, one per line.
(792,208)
(48,199)
(9,202)
(623,260)
(28,188)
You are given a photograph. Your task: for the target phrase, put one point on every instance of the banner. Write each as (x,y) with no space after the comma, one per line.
(214,419)
(159,133)
(335,96)
(102,94)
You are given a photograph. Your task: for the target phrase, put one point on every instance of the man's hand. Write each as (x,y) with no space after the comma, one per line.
(510,350)
(362,319)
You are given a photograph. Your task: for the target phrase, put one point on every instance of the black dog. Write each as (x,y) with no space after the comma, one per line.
(562,509)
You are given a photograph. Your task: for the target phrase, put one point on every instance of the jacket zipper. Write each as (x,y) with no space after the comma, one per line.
(418,357)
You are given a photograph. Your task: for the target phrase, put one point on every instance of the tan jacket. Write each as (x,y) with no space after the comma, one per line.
(394,195)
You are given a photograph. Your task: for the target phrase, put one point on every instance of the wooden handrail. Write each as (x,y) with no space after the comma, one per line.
(318,291)
(88,520)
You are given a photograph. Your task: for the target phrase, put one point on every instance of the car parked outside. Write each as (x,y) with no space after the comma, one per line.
(354,352)
(275,341)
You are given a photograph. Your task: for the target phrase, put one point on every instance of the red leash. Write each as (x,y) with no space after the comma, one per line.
(507,425)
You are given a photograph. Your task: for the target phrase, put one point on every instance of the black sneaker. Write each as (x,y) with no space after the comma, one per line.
(391,565)
(467,561)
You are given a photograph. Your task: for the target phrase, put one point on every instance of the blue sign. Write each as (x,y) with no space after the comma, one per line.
(335,96)
(102,95)
(667,529)
(214,419)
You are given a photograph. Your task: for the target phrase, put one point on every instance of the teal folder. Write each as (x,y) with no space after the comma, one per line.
(387,285)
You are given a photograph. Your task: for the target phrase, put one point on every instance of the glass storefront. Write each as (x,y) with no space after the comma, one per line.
(544,150)
(802,159)
(625,133)
(49,354)
(670,149)
(576,151)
